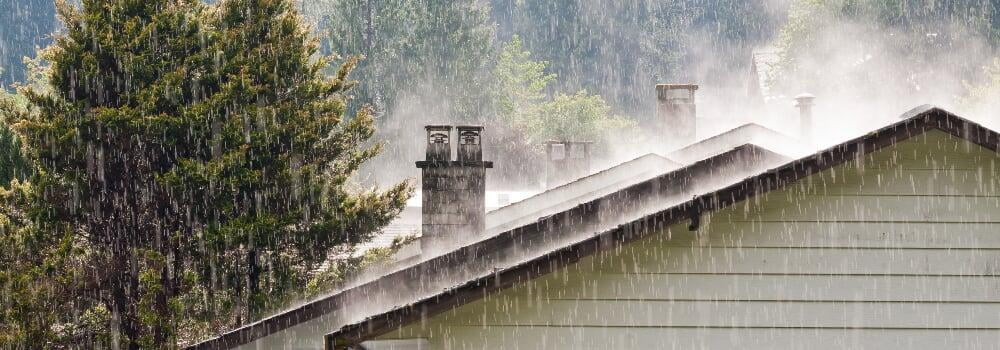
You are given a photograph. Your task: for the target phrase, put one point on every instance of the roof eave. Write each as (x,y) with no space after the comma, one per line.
(932,118)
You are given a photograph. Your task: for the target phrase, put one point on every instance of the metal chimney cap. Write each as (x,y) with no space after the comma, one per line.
(805,96)
(566,142)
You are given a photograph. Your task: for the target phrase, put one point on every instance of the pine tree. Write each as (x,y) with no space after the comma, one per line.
(12,162)
(26,25)
(923,50)
(620,48)
(196,150)
(434,51)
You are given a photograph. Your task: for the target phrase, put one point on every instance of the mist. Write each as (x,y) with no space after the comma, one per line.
(930,54)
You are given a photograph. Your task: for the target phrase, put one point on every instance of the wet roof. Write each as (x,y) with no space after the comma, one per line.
(500,261)
(578,191)
(744,134)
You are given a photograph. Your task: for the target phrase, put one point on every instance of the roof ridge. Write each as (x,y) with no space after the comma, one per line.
(476,285)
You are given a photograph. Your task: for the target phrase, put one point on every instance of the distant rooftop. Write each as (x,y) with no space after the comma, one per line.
(747,133)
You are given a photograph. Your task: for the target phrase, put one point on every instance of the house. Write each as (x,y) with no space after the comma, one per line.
(887,240)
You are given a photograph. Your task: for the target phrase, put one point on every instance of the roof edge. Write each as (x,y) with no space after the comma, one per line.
(777,178)
(931,118)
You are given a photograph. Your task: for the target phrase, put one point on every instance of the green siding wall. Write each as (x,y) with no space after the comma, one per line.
(898,250)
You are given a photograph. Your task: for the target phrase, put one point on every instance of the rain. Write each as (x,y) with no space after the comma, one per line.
(499,174)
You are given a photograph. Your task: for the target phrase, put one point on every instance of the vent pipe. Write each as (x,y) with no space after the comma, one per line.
(676,114)
(453,191)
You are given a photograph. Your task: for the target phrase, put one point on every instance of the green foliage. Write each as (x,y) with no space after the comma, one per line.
(334,274)
(41,281)
(621,49)
(13,164)
(430,61)
(523,103)
(432,52)
(522,82)
(578,117)
(26,25)
(984,96)
(989,90)
(909,45)
(189,150)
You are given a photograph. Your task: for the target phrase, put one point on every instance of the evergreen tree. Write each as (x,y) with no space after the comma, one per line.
(912,48)
(193,153)
(523,104)
(27,25)
(621,48)
(12,162)
(47,287)
(527,115)
(432,52)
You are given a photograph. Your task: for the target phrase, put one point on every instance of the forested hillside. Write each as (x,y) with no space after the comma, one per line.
(930,51)
(27,25)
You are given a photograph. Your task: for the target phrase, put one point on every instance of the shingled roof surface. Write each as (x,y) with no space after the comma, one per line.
(581,190)
(470,272)
(744,134)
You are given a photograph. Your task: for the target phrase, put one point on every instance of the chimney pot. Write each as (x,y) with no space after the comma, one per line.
(470,148)
(438,142)
(805,103)
(804,99)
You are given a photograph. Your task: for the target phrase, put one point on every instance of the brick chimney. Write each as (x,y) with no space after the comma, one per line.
(676,114)
(566,161)
(453,191)
(805,104)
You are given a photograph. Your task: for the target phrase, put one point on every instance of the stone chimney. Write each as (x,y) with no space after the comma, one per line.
(566,161)
(805,103)
(453,191)
(676,114)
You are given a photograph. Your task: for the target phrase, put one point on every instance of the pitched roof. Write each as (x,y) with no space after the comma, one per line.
(743,134)
(501,261)
(578,191)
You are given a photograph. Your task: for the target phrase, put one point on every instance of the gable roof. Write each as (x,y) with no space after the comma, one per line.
(642,168)
(501,261)
(743,134)
(581,190)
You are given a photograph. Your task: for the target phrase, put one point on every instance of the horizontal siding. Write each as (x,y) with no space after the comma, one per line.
(932,150)
(741,314)
(872,209)
(714,287)
(905,182)
(839,235)
(600,338)
(917,261)
(899,250)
